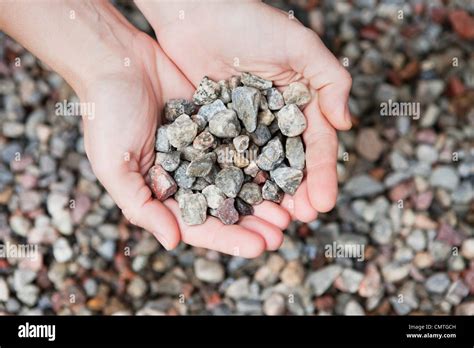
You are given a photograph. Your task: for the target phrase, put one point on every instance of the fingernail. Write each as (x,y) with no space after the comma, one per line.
(162,239)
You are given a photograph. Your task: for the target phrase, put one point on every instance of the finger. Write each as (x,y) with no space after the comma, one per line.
(299,205)
(272,235)
(132,195)
(213,234)
(272,213)
(325,74)
(321,153)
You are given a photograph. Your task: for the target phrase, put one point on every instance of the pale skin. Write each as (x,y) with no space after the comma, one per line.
(129,76)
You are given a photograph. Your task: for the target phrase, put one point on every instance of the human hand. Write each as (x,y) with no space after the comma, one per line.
(120,144)
(127,78)
(221,38)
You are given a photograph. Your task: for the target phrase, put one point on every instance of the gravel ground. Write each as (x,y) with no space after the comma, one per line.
(406,190)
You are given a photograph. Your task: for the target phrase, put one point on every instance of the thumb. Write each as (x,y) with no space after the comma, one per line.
(134,197)
(325,74)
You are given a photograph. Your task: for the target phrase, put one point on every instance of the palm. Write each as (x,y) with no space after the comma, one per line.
(120,144)
(268,44)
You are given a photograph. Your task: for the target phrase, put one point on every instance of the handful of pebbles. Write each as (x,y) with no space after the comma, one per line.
(234,145)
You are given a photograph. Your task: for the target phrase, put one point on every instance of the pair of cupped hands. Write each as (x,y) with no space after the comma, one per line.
(217,39)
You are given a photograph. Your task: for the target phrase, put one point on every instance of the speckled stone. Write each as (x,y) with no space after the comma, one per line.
(214,196)
(225,93)
(169,161)
(230,180)
(200,121)
(225,124)
(201,166)
(275,99)
(272,155)
(252,169)
(207,92)
(177,107)
(287,178)
(272,192)
(297,93)
(161,183)
(227,212)
(182,179)
(208,111)
(295,152)
(162,143)
(255,81)
(251,193)
(193,208)
(241,143)
(245,101)
(205,140)
(182,131)
(291,120)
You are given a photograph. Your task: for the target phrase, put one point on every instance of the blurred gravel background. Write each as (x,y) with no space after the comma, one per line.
(419,258)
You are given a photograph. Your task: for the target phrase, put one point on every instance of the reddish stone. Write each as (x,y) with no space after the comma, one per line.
(261,177)
(463,24)
(81,207)
(324,303)
(394,78)
(438,14)
(469,280)
(162,184)
(427,136)
(423,200)
(410,70)
(304,231)
(401,191)
(449,235)
(369,32)
(455,86)
(227,212)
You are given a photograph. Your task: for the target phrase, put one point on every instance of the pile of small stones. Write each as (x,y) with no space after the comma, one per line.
(237,143)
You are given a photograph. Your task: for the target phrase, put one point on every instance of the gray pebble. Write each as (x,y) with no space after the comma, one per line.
(214,196)
(275,99)
(225,93)
(201,166)
(272,155)
(169,161)
(230,180)
(182,132)
(297,93)
(272,192)
(225,124)
(251,80)
(295,152)
(261,135)
(291,120)
(208,111)
(182,179)
(193,208)
(287,178)
(245,101)
(251,193)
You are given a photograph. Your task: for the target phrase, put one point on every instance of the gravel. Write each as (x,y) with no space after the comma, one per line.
(405,187)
